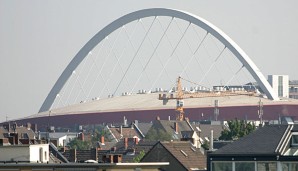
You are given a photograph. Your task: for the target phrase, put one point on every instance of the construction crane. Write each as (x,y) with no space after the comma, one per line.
(180,103)
(180,95)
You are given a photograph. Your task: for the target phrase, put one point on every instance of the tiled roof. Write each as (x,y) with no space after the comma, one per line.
(137,148)
(23,132)
(127,132)
(107,145)
(168,126)
(264,140)
(206,130)
(187,155)
(144,127)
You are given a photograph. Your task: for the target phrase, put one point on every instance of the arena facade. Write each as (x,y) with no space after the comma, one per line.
(147,107)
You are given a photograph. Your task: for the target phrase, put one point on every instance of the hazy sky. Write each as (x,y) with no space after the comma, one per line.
(39,38)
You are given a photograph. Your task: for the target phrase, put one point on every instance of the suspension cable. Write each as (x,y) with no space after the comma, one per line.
(169,58)
(134,57)
(154,51)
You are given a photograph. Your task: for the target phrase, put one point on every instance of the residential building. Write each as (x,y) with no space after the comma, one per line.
(117,133)
(280,84)
(293,89)
(269,148)
(181,155)
(33,153)
(178,130)
(59,139)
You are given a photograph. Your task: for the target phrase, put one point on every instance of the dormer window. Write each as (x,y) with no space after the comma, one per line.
(294,141)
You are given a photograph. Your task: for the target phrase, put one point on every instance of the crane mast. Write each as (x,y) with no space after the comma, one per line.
(180,103)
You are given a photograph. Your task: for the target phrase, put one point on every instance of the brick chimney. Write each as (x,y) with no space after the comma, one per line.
(125,143)
(102,140)
(136,141)
(121,129)
(176,127)
(81,136)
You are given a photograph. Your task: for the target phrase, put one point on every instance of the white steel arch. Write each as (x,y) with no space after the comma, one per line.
(210,28)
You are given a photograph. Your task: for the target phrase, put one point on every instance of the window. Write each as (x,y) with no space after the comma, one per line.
(244,166)
(289,166)
(294,140)
(221,166)
(267,166)
(280,86)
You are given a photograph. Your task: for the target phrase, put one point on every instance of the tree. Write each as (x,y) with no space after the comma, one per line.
(79,144)
(139,157)
(237,129)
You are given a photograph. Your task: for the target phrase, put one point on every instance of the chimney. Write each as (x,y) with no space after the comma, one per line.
(38,135)
(136,141)
(176,127)
(102,140)
(28,126)
(125,143)
(14,126)
(169,118)
(136,122)
(73,155)
(124,121)
(158,118)
(34,127)
(211,141)
(120,129)
(16,138)
(81,136)
(7,126)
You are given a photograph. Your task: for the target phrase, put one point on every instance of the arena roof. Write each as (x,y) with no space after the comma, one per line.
(137,102)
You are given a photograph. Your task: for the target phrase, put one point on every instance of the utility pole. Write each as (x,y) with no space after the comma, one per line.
(260,111)
(216,110)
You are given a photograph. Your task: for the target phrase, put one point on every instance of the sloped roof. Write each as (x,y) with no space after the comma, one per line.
(21,131)
(186,154)
(144,127)
(127,132)
(168,126)
(262,141)
(206,130)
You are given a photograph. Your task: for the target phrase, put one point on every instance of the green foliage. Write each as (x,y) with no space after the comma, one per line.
(158,135)
(237,129)
(139,157)
(79,144)
(205,145)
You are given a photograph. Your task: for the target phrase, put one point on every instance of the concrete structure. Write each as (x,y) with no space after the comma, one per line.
(33,153)
(137,15)
(146,107)
(280,84)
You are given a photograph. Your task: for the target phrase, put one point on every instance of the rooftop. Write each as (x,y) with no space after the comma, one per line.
(151,101)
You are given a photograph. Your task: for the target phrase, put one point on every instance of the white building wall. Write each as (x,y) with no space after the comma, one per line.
(39,152)
(275,83)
